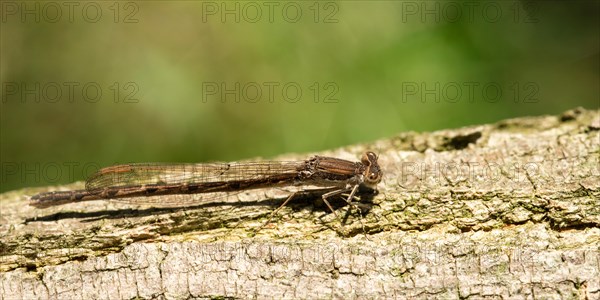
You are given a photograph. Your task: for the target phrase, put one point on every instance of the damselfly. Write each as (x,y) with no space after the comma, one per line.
(339,176)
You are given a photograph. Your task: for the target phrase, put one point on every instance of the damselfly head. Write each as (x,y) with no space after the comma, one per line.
(373,173)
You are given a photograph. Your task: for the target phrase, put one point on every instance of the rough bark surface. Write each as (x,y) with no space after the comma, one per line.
(506,210)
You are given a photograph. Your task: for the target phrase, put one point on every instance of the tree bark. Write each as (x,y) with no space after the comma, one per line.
(505,210)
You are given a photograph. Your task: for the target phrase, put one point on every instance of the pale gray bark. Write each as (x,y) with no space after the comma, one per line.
(507,210)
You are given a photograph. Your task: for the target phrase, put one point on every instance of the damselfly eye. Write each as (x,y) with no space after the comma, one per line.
(369,158)
(374,177)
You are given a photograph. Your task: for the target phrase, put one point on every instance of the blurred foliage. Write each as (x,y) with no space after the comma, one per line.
(386,66)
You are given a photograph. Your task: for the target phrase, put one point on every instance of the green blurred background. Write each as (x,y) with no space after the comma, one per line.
(169,73)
